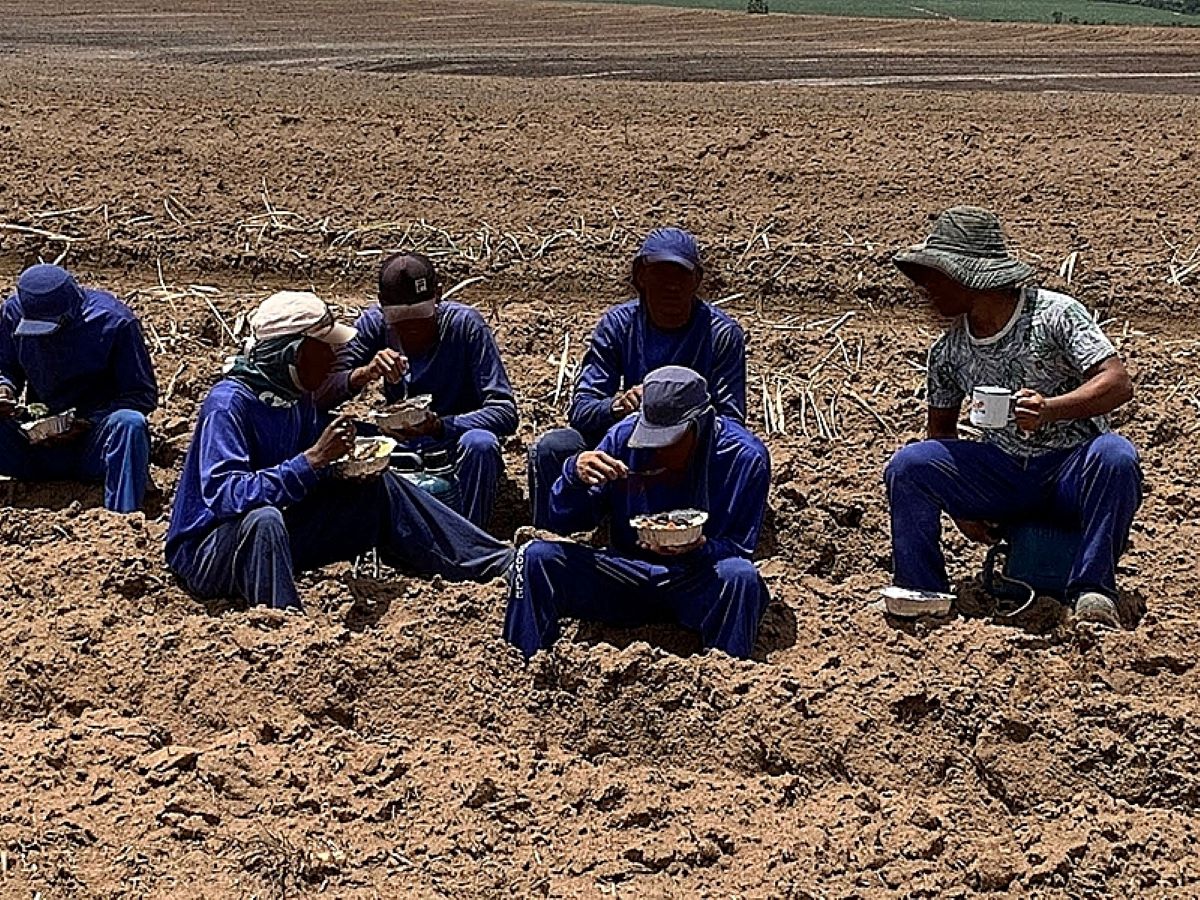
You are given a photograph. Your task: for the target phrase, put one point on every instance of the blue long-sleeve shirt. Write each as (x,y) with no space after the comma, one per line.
(463,371)
(739,475)
(244,455)
(626,346)
(96,363)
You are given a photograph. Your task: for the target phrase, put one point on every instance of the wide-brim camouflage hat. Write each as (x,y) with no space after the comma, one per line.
(967,244)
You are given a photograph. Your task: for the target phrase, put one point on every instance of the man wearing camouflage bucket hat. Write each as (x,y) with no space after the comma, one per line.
(1042,378)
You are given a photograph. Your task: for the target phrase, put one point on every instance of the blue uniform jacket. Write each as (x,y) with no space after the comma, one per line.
(96,363)
(626,347)
(739,475)
(463,371)
(244,455)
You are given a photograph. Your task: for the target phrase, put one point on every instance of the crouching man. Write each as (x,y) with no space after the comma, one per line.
(675,453)
(1052,457)
(417,343)
(80,350)
(259,499)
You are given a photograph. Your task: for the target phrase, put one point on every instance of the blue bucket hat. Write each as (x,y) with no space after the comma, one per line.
(673,245)
(49,298)
(673,397)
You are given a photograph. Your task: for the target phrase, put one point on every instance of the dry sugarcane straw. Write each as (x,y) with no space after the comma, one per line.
(220,318)
(465,283)
(766,405)
(170,391)
(562,367)
(1066,271)
(39,232)
(55,213)
(728,299)
(841,320)
(821,429)
(158,342)
(171,213)
(870,410)
(755,235)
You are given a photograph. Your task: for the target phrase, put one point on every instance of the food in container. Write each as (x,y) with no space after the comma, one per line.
(370,457)
(677,528)
(46,427)
(404,414)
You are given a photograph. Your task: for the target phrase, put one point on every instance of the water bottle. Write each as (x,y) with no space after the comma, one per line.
(443,482)
(432,472)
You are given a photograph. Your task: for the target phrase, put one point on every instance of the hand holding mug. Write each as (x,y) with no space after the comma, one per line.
(991,407)
(1030,410)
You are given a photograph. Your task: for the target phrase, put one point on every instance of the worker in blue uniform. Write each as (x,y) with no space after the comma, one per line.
(79,350)
(259,499)
(416,343)
(675,453)
(667,324)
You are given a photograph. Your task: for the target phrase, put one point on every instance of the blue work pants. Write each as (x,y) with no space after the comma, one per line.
(257,556)
(546,458)
(724,600)
(1095,487)
(115,451)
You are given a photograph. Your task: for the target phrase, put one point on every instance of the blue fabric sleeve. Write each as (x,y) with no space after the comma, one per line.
(358,352)
(499,411)
(574,505)
(728,384)
(133,374)
(229,486)
(599,379)
(11,373)
(738,526)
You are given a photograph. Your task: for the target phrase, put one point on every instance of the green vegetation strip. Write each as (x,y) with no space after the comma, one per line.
(1083,11)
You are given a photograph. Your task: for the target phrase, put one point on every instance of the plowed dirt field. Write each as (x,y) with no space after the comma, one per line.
(387,743)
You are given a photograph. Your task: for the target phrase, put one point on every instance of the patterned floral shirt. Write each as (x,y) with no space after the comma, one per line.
(1048,345)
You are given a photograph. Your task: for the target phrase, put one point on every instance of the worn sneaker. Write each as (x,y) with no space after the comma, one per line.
(909,604)
(1098,609)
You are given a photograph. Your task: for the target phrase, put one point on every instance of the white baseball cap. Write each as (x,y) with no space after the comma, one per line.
(299,313)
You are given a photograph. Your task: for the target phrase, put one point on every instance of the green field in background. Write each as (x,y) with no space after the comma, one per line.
(980,10)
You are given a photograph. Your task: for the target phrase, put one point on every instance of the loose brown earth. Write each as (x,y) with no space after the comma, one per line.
(387,742)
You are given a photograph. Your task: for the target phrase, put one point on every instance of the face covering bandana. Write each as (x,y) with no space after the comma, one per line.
(269,369)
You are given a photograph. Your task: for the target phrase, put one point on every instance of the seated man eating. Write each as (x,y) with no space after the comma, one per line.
(1053,457)
(416,343)
(78,350)
(666,325)
(675,454)
(260,499)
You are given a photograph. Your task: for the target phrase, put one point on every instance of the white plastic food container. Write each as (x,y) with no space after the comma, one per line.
(405,414)
(677,528)
(370,457)
(909,604)
(44,429)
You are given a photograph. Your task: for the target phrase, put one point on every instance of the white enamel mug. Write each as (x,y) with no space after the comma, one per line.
(992,407)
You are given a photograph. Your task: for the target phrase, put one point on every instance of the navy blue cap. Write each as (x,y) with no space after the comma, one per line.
(673,397)
(673,245)
(49,297)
